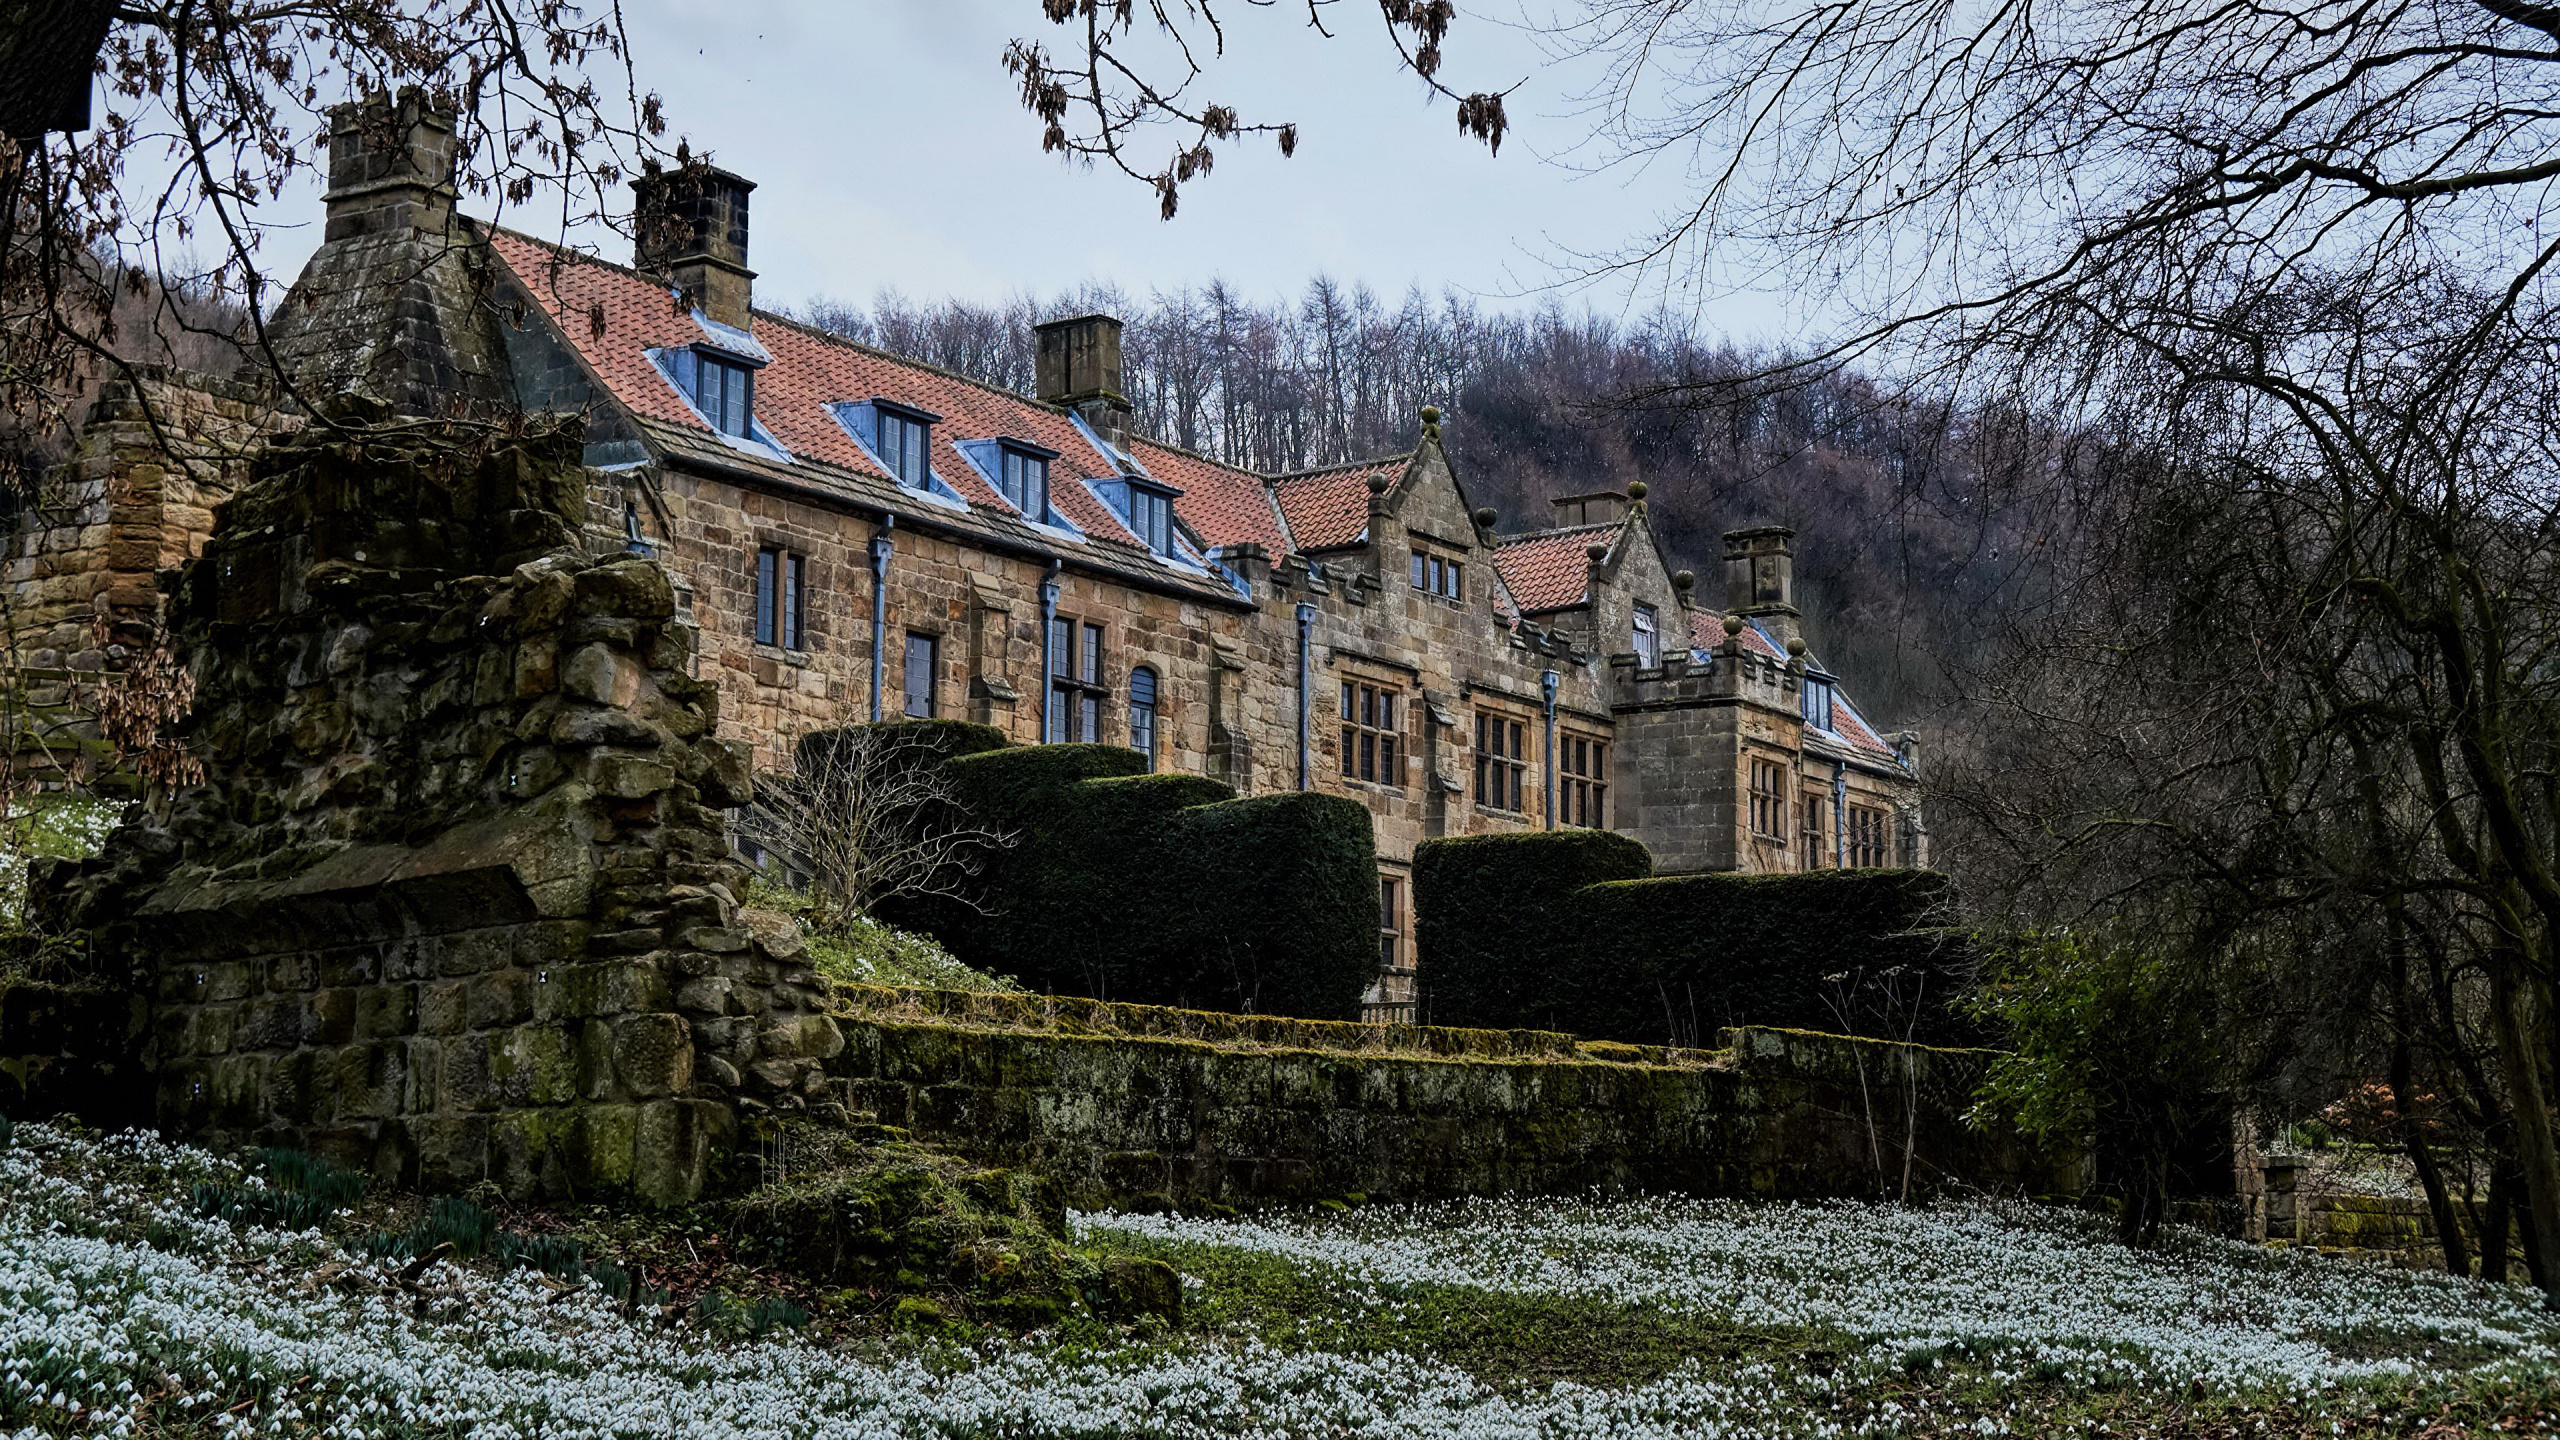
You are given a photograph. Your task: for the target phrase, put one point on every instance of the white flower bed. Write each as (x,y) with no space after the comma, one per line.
(2029,1292)
(119,1309)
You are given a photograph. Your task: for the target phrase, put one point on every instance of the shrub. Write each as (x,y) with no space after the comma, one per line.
(1495,913)
(1674,959)
(1161,889)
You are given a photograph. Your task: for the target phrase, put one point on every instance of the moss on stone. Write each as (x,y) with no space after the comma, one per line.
(862,1209)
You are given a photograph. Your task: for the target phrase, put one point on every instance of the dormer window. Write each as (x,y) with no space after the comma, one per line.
(1817,702)
(721,387)
(1648,638)
(1151,518)
(901,444)
(1146,506)
(1022,477)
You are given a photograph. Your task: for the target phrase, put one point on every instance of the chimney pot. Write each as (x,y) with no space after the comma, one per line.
(390,166)
(690,225)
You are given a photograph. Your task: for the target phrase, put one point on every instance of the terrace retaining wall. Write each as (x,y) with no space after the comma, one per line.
(1122,1101)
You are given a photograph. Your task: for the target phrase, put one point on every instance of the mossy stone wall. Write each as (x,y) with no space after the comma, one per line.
(1117,1102)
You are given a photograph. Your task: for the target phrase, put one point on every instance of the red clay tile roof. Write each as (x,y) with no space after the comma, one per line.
(1226,505)
(1706,632)
(1551,569)
(811,370)
(1330,507)
(1852,727)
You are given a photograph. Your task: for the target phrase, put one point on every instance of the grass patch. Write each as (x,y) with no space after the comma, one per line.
(858,950)
(1511,1342)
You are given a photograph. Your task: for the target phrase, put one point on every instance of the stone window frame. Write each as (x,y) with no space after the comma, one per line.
(1394,925)
(1582,780)
(1768,793)
(1495,765)
(1376,748)
(1439,576)
(1146,694)
(1077,689)
(932,642)
(781,605)
(1817,839)
(1871,836)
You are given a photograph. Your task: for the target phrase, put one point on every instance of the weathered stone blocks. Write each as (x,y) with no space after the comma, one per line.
(460,845)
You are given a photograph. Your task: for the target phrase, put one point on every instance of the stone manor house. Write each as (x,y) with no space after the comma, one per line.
(858,536)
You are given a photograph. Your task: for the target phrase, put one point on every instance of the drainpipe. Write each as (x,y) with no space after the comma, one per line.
(1547,681)
(881,545)
(1306,628)
(1048,646)
(1839,815)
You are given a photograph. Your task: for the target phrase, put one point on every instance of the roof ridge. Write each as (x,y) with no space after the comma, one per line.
(814,332)
(1323,470)
(1526,536)
(1187,453)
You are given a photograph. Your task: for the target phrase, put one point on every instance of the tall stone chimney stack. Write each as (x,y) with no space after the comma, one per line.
(1760,579)
(390,166)
(690,225)
(1078,366)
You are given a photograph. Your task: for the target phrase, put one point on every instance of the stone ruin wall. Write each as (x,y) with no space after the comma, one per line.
(157,452)
(456,898)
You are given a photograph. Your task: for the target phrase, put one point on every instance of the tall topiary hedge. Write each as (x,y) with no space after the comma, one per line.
(1494,916)
(1535,931)
(1160,889)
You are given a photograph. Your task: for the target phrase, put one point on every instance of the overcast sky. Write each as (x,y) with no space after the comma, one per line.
(890,151)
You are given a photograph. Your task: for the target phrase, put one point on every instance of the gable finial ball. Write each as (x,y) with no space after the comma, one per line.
(1377,484)
(1685,579)
(1635,489)
(1597,551)
(1430,414)
(1795,646)
(1486,517)
(1733,624)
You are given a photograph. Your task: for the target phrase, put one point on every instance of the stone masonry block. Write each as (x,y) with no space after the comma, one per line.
(653,1055)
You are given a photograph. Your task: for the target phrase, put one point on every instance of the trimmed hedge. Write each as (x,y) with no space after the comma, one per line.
(1161,889)
(1490,915)
(1532,931)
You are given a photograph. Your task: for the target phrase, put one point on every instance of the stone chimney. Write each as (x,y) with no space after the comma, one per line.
(1600,507)
(1079,367)
(690,225)
(1760,578)
(390,166)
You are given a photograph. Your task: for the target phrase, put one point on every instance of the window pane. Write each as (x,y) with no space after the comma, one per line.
(1142,686)
(1092,673)
(919,676)
(765,580)
(1368,756)
(1387,711)
(1089,717)
(1417,570)
(1387,760)
(1350,751)
(1062,655)
(791,600)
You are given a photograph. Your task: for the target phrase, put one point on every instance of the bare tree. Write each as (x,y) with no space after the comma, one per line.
(214,106)
(1126,70)
(868,815)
